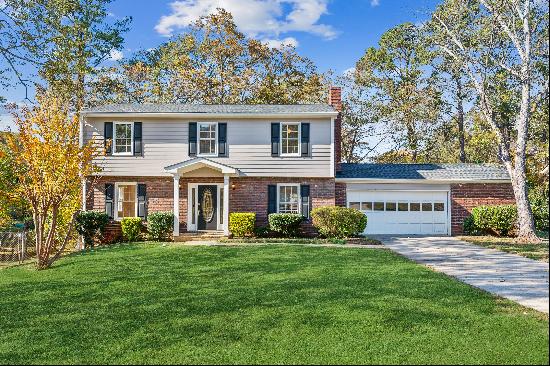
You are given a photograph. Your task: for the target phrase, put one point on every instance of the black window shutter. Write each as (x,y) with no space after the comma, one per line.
(222,139)
(138,145)
(305,139)
(192,138)
(271,199)
(275,137)
(305,200)
(109,198)
(108,137)
(142,200)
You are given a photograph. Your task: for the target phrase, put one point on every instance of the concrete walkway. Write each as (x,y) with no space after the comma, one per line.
(520,279)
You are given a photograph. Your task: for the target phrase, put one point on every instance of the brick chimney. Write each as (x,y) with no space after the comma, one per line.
(335,100)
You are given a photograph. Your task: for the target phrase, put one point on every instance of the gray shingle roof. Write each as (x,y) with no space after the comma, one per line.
(212,108)
(424,171)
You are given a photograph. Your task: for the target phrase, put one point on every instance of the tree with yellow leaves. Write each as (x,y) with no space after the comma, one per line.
(49,165)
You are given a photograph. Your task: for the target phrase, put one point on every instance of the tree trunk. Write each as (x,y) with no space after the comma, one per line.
(460,119)
(526,229)
(519,181)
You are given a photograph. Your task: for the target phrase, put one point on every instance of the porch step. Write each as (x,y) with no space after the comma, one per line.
(199,236)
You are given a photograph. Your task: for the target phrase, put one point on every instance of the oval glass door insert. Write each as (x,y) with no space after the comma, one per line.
(207,205)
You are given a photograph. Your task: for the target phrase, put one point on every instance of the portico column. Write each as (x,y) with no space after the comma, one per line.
(176,205)
(226,205)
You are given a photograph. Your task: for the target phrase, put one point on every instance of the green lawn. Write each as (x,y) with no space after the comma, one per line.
(259,304)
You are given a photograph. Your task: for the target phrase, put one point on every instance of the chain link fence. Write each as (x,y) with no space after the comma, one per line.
(16,246)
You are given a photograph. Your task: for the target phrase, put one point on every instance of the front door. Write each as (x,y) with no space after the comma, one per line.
(207,207)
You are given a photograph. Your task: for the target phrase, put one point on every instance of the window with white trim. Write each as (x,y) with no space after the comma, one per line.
(290,139)
(288,199)
(208,141)
(123,136)
(126,196)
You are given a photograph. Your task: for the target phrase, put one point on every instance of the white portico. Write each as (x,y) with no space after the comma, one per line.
(208,201)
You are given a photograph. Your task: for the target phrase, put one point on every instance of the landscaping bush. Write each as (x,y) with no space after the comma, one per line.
(131,228)
(263,232)
(242,224)
(285,224)
(498,220)
(539,205)
(469,227)
(338,222)
(90,224)
(160,225)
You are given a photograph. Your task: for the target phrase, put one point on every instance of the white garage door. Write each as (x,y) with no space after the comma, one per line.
(402,212)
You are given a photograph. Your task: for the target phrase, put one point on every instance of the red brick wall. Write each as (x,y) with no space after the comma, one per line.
(248,195)
(464,197)
(335,100)
(340,194)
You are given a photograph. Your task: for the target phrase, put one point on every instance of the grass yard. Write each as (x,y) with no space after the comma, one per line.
(538,251)
(278,304)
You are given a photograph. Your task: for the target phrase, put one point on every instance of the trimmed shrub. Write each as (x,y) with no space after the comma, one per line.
(262,232)
(338,222)
(286,224)
(498,220)
(131,228)
(160,225)
(242,224)
(539,205)
(469,227)
(91,224)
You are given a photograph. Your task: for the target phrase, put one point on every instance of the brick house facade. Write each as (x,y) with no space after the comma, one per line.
(151,149)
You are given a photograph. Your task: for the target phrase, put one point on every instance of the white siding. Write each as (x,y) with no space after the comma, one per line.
(249,143)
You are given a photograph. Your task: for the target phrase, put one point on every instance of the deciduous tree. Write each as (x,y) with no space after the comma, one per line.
(212,63)
(49,164)
(399,73)
(501,42)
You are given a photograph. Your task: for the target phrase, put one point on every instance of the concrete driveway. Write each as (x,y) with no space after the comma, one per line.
(520,279)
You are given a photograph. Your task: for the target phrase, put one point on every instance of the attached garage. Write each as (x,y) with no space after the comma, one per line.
(418,199)
(402,209)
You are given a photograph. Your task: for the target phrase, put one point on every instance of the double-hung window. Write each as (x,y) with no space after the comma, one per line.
(288,198)
(123,137)
(126,197)
(208,142)
(290,139)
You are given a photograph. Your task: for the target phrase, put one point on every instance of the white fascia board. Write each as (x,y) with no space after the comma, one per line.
(421,181)
(211,115)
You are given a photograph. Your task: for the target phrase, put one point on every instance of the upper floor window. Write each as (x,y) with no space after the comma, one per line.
(288,198)
(123,137)
(208,141)
(290,139)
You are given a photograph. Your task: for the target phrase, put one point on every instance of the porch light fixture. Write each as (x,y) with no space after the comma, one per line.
(232,186)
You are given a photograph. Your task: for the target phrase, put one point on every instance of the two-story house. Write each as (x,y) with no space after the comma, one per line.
(204,161)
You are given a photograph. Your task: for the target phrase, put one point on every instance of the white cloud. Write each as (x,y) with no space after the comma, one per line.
(374,3)
(116,55)
(264,19)
(279,43)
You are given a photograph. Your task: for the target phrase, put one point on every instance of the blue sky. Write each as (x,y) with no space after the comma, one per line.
(333,33)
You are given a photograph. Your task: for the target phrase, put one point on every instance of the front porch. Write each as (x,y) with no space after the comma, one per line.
(206,189)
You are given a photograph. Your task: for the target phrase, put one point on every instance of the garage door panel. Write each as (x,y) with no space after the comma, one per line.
(402,212)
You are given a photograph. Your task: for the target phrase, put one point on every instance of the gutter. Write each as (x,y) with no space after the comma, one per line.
(209,115)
